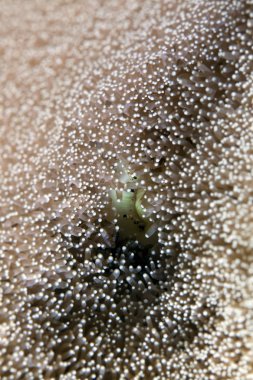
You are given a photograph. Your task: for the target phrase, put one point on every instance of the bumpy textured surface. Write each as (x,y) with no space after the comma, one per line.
(126,197)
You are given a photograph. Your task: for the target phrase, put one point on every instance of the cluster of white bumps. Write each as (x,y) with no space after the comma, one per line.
(126,196)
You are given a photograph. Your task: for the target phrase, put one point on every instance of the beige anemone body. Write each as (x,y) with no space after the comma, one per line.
(126,189)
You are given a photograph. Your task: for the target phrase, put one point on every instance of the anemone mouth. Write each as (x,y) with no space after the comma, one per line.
(127,285)
(137,273)
(131,254)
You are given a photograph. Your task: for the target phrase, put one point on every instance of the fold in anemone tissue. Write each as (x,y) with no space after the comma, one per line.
(126,189)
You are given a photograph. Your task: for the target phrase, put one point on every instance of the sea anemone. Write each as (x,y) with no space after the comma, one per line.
(126,198)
